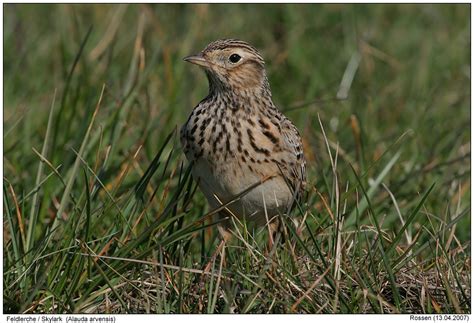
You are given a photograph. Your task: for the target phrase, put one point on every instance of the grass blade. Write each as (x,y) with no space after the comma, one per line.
(373,188)
(35,203)
(66,195)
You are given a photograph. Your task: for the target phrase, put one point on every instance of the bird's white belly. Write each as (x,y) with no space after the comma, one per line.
(222,184)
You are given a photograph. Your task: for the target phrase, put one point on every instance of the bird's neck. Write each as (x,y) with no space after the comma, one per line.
(247,100)
(241,97)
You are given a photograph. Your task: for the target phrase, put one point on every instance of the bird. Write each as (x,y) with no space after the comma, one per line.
(245,153)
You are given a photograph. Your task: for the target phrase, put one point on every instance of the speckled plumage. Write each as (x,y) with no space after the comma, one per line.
(236,137)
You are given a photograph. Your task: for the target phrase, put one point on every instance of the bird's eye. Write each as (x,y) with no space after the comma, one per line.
(234,58)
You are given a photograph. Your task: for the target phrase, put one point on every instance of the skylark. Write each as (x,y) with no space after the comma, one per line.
(237,139)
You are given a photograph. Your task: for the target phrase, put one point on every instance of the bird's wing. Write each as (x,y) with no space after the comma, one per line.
(296,170)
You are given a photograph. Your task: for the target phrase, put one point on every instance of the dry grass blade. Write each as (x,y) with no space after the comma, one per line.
(55,170)
(395,204)
(219,276)
(348,76)
(309,290)
(146,262)
(18,215)
(110,33)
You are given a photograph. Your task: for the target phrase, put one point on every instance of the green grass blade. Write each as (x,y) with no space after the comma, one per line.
(383,253)
(152,168)
(35,203)
(409,220)
(59,118)
(351,219)
(67,191)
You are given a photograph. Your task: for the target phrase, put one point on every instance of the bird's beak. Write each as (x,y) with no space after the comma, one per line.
(197,59)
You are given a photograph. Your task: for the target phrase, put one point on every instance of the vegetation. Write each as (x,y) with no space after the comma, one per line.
(101,214)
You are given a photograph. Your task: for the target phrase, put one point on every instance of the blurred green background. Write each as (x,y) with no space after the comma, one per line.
(410,95)
(414,74)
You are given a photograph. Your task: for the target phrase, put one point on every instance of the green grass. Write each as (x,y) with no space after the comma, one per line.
(101,214)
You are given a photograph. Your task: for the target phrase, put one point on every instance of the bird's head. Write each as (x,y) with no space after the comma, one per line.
(233,65)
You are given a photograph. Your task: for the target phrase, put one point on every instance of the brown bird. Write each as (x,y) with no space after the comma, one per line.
(237,139)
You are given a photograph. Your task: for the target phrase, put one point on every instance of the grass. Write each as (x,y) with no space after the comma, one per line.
(101,214)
